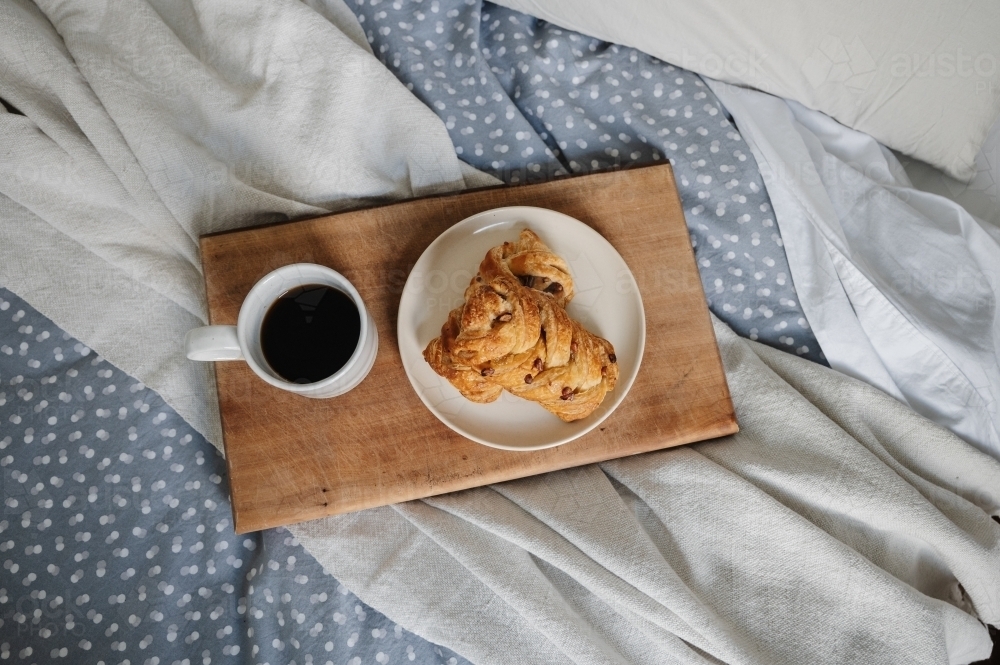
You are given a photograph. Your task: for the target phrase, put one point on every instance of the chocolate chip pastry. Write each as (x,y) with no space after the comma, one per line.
(513,333)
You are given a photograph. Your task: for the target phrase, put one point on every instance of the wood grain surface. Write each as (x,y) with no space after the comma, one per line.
(292,458)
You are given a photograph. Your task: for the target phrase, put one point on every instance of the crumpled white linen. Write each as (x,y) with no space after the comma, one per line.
(900,286)
(837,527)
(149,124)
(980,196)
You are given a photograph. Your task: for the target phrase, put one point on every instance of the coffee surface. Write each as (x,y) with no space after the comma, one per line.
(310,332)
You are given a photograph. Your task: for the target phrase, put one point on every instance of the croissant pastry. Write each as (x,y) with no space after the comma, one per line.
(512,333)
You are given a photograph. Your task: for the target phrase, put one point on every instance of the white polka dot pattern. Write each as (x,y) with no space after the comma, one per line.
(116,538)
(526,101)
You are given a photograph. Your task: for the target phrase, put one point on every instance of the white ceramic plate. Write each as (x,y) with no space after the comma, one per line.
(607,303)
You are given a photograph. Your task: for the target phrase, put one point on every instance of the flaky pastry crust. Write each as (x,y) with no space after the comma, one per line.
(513,333)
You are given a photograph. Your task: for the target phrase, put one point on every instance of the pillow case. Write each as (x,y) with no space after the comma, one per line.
(923,79)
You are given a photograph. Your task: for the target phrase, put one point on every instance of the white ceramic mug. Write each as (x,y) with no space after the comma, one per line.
(242,341)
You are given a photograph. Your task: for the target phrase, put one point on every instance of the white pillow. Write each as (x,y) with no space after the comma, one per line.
(922,78)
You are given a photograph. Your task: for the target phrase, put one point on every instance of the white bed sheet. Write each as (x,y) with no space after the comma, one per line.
(899,284)
(980,196)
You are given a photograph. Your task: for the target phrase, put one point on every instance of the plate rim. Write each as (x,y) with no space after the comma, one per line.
(458,429)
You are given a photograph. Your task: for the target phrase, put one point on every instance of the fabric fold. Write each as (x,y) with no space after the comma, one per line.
(149,124)
(837,518)
(837,526)
(898,284)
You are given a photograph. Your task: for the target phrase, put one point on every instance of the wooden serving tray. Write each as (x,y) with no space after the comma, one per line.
(292,458)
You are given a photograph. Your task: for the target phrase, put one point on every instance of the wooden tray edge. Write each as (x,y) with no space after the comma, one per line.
(245,525)
(373,203)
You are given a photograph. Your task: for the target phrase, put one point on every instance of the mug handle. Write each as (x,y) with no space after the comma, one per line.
(213,343)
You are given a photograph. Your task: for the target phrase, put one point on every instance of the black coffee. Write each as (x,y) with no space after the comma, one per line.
(310,332)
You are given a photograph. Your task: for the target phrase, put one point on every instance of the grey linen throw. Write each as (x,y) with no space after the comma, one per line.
(837,527)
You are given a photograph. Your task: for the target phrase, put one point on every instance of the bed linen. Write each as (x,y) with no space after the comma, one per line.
(149,125)
(980,196)
(670,577)
(525,100)
(349,633)
(189,586)
(116,535)
(899,284)
(369,551)
(923,79)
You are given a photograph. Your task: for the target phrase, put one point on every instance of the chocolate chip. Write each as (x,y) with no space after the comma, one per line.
(612,357)
(538,365)
(527,378)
